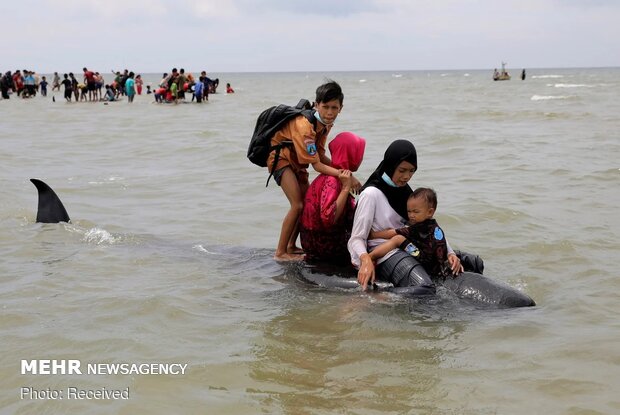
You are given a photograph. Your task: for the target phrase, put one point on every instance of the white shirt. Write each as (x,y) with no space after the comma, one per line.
(372,212)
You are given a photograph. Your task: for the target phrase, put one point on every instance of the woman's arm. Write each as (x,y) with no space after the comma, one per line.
(343,196)
(362,224)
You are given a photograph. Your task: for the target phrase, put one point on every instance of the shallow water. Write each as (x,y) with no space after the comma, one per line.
(168,256)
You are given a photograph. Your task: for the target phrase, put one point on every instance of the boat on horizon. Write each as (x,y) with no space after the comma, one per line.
(501,76)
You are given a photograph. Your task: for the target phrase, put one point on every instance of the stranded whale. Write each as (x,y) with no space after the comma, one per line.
(472,286)
(468,285)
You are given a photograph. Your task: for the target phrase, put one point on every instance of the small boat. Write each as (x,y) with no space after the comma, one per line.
(501,76)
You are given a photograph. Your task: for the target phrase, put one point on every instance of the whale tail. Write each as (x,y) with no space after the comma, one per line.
(50,208)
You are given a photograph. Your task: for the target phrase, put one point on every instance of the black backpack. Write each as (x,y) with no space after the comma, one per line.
(269,122)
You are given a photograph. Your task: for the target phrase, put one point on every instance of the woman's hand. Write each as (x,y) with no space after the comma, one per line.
(366,272)
(345,178)
(455,264)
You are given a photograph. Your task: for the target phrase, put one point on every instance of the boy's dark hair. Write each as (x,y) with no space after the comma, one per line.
(427,193)
(328,92)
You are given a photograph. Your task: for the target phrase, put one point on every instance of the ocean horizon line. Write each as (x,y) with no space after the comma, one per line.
(343,71)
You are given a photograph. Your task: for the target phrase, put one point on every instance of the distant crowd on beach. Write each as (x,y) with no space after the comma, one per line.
(174,87)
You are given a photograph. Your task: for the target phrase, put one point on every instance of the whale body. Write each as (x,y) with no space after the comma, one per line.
(468,285)
(471,286)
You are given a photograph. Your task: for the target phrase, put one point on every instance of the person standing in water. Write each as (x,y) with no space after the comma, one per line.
(130,87)
(289,167)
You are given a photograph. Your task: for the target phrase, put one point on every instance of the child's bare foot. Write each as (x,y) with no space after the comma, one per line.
(293,250)
(288,257)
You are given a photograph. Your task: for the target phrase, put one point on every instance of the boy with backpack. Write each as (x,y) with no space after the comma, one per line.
(288,164)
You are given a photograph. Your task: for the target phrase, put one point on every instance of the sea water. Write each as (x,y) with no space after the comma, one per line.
(168,256)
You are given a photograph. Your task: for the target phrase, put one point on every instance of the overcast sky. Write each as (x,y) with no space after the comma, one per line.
(315,35)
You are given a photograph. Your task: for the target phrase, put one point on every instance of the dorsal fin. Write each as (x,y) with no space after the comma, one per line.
(50,209)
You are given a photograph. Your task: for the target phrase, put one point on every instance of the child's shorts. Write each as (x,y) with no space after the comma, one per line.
(302,175)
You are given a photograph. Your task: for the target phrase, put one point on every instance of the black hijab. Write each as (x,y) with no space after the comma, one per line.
(397,152)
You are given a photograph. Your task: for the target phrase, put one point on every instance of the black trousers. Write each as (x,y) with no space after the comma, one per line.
(403,270)
(406,273)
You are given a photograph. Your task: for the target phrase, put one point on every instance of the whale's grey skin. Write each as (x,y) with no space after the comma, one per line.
(485,290)
(50,208)
(472,286)
(468,285)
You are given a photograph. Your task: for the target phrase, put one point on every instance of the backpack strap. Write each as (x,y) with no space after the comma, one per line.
(276,158)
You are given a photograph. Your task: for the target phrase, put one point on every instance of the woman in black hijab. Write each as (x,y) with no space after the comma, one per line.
(383,205)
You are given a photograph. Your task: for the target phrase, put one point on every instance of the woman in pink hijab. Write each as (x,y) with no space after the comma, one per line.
(327,218)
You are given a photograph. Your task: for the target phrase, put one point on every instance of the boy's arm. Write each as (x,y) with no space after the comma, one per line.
(383,249)
(324,158)
(355,183)
(385,234)
(325,169)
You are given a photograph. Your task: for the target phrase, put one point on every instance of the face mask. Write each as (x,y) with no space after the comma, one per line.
(318,117)
(389,181)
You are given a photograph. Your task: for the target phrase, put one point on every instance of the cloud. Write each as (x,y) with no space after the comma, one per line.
(211,8)
(286,35)
(339,8)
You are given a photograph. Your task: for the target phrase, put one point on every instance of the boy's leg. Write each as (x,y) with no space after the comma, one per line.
(293,193)
(291,247)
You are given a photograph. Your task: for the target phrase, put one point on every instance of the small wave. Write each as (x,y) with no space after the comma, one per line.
(201,248)
(100,236)
(556,115)
(362,81)
(397,75)
(550,97)
(547,76)
(520,285)
(609,175)
(109,179)
(571,85)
